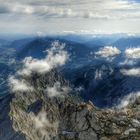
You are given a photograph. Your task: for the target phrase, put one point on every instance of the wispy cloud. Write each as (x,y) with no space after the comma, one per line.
(129,62)
(57,90)
(126,100)
(46,128)
(17,85)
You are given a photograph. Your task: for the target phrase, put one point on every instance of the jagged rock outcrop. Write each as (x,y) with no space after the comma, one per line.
(67,117)
(6,130)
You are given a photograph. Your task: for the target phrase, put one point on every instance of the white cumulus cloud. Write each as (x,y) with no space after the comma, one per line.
(133,53)
(131,72)
(56,57)
(108,51)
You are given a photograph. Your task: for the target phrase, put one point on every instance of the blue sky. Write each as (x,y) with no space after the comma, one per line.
(69,16)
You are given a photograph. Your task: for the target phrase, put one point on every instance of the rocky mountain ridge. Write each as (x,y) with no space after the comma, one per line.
(67,117)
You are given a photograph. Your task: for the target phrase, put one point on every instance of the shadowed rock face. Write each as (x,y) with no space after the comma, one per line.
(66,117)
(6,130)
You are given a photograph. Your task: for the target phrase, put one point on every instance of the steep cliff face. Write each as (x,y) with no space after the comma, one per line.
(6,130)
(65,116)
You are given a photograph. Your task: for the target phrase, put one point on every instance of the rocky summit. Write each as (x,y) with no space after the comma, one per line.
(34,115)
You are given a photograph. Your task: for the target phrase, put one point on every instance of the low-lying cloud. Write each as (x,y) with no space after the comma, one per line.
(133,53)
(108,51)
(131,72)
(56,57)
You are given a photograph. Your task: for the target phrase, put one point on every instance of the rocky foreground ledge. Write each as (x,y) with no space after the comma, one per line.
(82,121)
(36,116)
